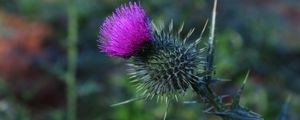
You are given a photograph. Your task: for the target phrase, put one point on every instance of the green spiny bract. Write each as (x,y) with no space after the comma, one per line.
(168,66)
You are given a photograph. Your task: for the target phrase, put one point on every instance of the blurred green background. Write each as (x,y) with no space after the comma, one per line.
(262,36)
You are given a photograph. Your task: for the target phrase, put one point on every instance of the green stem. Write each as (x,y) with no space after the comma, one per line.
(205,92)
(212,26)
(72,56)
(211,50)
(210,61)
(204,89)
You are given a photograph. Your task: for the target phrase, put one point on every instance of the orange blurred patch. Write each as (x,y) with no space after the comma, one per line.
(20,40)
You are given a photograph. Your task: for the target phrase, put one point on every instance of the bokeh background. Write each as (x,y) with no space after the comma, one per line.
(262,36)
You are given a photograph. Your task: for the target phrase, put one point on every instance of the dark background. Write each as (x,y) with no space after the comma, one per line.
(262,36)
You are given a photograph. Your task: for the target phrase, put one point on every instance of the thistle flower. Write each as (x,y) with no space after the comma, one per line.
(161,62)
(126,32)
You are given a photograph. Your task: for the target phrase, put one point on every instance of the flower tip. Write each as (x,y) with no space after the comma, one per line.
(126,32)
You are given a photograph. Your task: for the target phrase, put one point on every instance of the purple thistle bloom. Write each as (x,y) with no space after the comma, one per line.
(126,32)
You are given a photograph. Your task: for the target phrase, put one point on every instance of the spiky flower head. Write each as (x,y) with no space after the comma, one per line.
(168,66)
(126,32)
(161,62)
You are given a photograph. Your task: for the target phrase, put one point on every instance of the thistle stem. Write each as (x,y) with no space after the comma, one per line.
(204,89)
(72,56)
(212,26)
(210,60)
(211,49)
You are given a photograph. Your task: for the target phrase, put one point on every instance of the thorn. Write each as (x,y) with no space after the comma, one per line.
(246,78)
(284,111)
(200,37)
(188,35)
(155,27)
(236,99)
(215,80)
(162,25)
(127,101)
(190,102)
(212,26)
(181,28)
(208,109)
(166,100)
(176,98)
(171,26)
(166,112)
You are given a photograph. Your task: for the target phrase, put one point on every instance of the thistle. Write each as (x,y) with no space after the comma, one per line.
(161,63)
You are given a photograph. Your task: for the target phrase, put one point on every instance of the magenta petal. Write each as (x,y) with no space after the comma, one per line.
(126,32)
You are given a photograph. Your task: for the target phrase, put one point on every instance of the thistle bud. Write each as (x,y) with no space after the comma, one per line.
(167,67)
